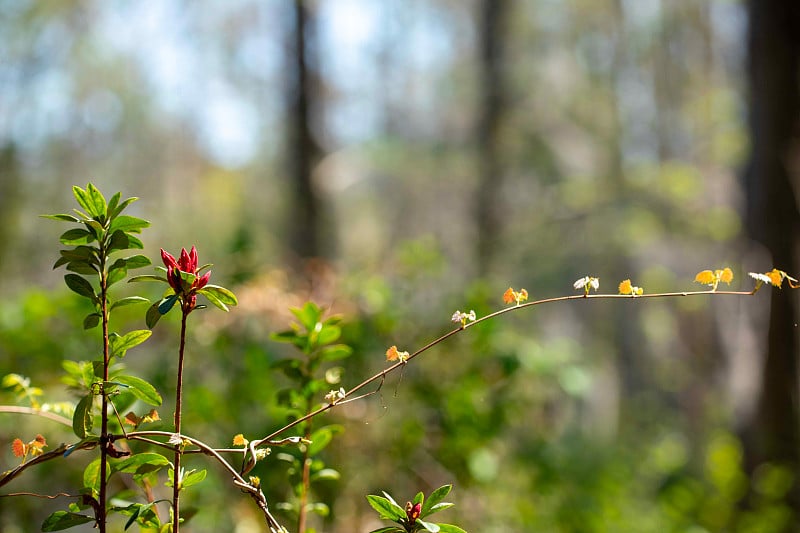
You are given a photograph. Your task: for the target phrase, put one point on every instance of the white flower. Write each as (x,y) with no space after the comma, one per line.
(760,277)
(175,439)
(336,395)
(456,317)
(581,283)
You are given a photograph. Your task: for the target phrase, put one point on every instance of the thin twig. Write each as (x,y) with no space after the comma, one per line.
(37,412)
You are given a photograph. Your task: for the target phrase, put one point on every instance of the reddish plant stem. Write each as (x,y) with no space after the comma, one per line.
(306,484)
(101,514)
(176,488)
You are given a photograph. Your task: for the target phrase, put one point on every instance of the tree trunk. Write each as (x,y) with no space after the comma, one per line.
(488,195)
(304,213)
(772,217)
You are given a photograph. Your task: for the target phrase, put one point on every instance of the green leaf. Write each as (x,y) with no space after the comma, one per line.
(64,520)
(133,463)
(137,261)
(121,344)
(220,293)
(419,498)
(193,478)
(98,202)
(388,510)
(91,320)
(130,300)
(128,224)
(121,207)
(82,419)
(91,475)
(153,316)
(119,241)
(84,200)
(166,304)
(140,389)
(308,315)
(80,286)
(214,300)
(326,474)
(147,277)
(134,242)
(435,497)
(449,528)
(76,236)
(329,334)
(322,437)
(335,352)
(116,272)
(62,217)
(433,528)
(390,529)
(82,267)
(112,204)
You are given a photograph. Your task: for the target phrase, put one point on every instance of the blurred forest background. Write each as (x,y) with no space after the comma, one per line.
(395,160)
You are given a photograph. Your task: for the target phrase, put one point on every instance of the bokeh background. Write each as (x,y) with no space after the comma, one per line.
(396,160)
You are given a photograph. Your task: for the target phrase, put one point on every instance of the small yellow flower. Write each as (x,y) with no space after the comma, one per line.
(239,440)
(511,296)
(392,354)
(707,277)
(775,278)
(627,288)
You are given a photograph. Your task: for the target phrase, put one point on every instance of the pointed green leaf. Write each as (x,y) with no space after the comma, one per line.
(134,242)
(147,277)
(449,528)
(387,509)
(91,320)
(83,199)
(193,478)
(91,475)
(121,344)
(98,202)
(419,498)
(130,300)
(82,267)
(121,207)
(335,352)
(214,300)
(166,304)
(116,272)
(64,520)
(62,217)
(140,389)
(153,316)
(60,261)
(322,437)
(220,293)
(133,463)
(80,286)
(137,261)
(128,224)
(308,315)
(76,236)
(329,334)
(82,419)
(440,507)
(119,241)
(435,497)
(112,204)
(433,528)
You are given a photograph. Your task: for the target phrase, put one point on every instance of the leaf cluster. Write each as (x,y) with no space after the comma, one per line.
(388,509)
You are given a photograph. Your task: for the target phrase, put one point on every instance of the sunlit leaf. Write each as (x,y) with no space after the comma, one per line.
(63,217)
(128,224)
(64,520)
(135,462)
(130,300)
(193,478)
(76,236)
(82,420)
(121,344)
(91,475)
(388,510)
(140,389)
